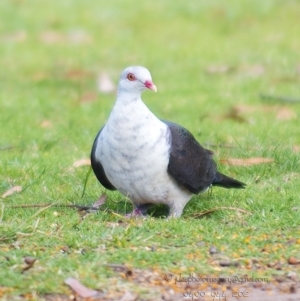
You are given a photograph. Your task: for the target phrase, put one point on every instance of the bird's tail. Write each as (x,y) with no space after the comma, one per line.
(227,182)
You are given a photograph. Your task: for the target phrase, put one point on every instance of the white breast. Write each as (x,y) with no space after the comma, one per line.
(134,153)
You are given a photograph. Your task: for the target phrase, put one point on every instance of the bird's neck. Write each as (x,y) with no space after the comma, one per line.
(127,98)
(130,110)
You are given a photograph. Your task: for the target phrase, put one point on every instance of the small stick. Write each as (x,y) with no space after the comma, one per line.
(4,148)
(280,98)
(220,208)
(80,207)
(221,145)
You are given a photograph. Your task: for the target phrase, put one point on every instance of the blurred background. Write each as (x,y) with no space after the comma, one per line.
(219,66)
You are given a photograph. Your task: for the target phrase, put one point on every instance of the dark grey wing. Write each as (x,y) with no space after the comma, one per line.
(190,164)
(98,168)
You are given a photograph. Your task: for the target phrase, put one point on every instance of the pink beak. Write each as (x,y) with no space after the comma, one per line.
(148,84)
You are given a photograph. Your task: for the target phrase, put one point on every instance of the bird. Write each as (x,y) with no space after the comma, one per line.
(150,160)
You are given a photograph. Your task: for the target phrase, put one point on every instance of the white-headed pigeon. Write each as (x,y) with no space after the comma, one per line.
(151,161)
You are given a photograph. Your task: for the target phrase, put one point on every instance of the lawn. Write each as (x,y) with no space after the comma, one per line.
(229,71)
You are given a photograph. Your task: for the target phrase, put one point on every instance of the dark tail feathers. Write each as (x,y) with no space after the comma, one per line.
(227,182)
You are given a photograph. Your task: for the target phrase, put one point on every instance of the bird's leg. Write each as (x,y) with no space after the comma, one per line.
(175,211)
(140,210)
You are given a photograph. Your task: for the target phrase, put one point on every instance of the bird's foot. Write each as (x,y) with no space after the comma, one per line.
(174,212)
(135,213)
(139,211)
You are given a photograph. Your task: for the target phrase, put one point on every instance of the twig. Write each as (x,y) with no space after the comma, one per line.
(85,182)
(279,98)
(7,238)
(220,208)
(4,148)
(221,145)
(116,266)
(80,207)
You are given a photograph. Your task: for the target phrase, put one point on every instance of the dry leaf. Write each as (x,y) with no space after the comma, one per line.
(282,113)
(285,113)
(105,84)
(218,69)
(235,115)
(200,214)
(12,191)
(29,261)
(74,36)
(242,108)
(40,76)
(246,162)
(88,97)
(293,260)
(296,148)
(19,36)
(78,36)
(77,74)
(80,289)
(100,201)
(128,296)
(82,162)
(51,37)
(46,124)
(253,70)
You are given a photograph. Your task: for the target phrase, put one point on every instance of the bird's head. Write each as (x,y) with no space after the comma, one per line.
(135,80)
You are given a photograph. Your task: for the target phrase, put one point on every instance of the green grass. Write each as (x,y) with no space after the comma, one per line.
(177,41)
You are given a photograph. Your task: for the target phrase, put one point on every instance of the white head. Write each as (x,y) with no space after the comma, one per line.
(135,80)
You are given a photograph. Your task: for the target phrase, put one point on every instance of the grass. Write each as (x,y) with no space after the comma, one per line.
(51,54)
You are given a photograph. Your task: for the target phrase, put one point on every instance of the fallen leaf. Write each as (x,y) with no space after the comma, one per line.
(82,162)
(218,69)
(105,84)
(246,162)
(6,147)
(77,74)
(88,97)
(74,36)
(52,37)
(213,250)
(235,115)
(128,296)
(79,36)
(293,260)
(200,214)
(18,36)
(285,113)
(292,275)
(29,261)
(65,249)
(100,201)
(12,191)
(228,263)
(253,70)
(40,76)
(296,148)
(46,124)
(242,108)
(79,288)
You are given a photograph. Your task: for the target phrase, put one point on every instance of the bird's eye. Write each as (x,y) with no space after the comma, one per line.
(131,76)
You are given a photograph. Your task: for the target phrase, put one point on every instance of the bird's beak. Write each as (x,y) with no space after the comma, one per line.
(148,84)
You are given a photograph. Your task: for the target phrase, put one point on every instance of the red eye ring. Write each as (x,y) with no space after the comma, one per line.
(131,76)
